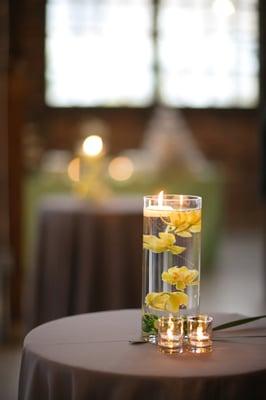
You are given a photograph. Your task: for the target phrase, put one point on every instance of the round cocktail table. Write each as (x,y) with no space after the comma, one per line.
(89,356)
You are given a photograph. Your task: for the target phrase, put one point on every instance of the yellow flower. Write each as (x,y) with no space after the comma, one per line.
(165,242)
(166,301)
(181,277)
(184,223)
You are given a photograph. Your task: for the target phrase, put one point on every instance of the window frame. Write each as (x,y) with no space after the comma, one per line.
(155,100)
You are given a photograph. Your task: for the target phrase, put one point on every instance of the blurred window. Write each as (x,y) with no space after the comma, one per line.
(104,53)
(98,52)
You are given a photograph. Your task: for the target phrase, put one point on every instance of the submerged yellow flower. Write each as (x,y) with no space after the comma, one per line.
(166,301)
(165,242)
(184,223)
(181,277)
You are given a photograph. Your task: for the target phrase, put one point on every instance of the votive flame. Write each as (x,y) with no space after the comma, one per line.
(170,335)
(181,201)
(160,199)
(200,334)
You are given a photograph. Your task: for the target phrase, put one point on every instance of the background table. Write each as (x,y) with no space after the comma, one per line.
(88,258)
(88,357)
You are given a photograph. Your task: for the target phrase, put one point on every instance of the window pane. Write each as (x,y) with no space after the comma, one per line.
(208,52)
(98,52)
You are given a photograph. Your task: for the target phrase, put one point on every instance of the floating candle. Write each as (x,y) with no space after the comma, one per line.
(155,211)
(158,210)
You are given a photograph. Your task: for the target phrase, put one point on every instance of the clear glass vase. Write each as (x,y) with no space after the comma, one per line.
(171,259)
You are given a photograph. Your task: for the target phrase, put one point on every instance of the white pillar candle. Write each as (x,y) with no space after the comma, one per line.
(158,210)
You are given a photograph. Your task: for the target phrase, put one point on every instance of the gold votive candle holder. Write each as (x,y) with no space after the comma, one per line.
(199,333)
(170,334)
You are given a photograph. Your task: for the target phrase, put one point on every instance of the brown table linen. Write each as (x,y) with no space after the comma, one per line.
(87,258)
(88,357)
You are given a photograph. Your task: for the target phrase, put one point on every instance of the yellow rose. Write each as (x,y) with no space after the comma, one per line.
(166,301)
(181,277)
(165,242)
(176,299)
(185,223)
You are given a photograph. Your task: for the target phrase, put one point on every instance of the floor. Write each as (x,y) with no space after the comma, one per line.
(236,284)
(9,370)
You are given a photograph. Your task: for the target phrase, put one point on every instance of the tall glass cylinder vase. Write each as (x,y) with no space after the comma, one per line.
(171,258)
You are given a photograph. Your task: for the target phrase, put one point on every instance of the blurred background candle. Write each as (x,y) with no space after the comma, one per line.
(170,334)
(93,146)
(199,333)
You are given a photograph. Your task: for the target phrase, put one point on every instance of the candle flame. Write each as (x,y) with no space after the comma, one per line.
(170,329)
(201,334)
(160,198)
(199,331)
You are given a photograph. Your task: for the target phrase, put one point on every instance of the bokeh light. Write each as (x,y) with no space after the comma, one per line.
(73,169)
(121,168)
(93,146)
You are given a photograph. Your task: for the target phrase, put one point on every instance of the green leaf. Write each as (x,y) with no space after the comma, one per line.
(138,341)
(148,323)
(237,322)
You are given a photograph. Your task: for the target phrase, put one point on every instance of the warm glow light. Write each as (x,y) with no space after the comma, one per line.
(223,8)
(199,333)
(121,168)
(170,335)
(93,146)
(160,199)
(73,169)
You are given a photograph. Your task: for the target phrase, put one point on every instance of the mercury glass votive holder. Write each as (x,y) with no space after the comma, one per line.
(199,334)
(170,334)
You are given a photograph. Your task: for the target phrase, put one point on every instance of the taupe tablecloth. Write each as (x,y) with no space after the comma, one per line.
(88,357)
(88,258)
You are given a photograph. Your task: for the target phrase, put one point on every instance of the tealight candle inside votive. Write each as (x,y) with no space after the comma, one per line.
(199,333)
(170,334)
